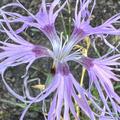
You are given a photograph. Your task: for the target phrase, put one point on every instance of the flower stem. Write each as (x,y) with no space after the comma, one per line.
(85,53)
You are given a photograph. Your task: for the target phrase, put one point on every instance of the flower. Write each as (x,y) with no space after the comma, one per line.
(18,52)
(83,17)
(66,88)
(63,81)
(43,20)
(83,28)
(101,74)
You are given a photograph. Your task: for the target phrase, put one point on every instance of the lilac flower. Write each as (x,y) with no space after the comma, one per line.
(63,82)
(44,20)
(66,88)
(101,74)
(83,17)
(16,54)
(19,52)
(83,28)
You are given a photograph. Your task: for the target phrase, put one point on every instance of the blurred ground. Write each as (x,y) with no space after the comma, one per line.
(8,110)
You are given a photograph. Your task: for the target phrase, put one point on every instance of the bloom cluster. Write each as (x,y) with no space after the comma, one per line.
(67,91)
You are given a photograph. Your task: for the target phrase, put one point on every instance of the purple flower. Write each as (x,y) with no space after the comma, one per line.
(44,19)
(13,54)
(101,74)
(66,89)
(83,28)
(83,17)
(18,52)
